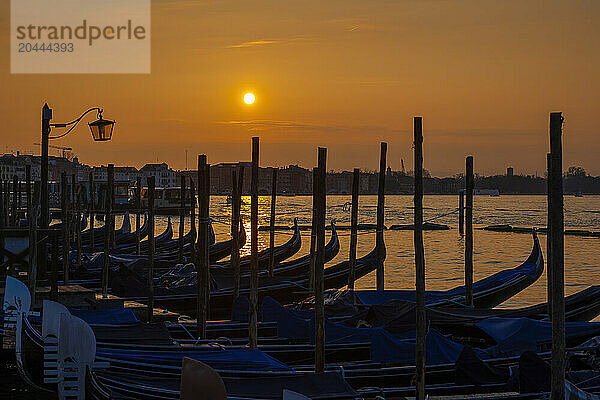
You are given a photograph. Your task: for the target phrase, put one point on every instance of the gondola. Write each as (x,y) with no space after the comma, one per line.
(124,240)
(487,293)
(161,367)
(83,223)
(182,298)
(96,260)
(283,288)
(86,235)
(281,253)
(356,373)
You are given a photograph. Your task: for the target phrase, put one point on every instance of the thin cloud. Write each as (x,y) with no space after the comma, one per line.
(253,43)
(291,126)
(266,42)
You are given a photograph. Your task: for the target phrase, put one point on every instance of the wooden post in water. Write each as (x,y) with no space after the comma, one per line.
(252,314)
(272,223)
(193,219)
(28,194)
(353,228)
(111,198)
(150,248)
(78,201)
(7,196)
(32,236)
(55,262)
(421,326)
(321,204)
(379,243)
(138,212)
(549,235)
(107,229)
(18,201)
(72,208)
(181,218)
(202,264)
(2,222)
(32,276)
(469,182)
(313,232)
(558,272)
(92,209)
(235,235)
(206,254)
(461,212)
(65,225)
(14,208)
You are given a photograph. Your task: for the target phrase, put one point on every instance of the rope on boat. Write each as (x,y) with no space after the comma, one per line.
(188,332)
(297,284)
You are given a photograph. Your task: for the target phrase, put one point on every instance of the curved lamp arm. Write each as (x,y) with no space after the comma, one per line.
(74,122)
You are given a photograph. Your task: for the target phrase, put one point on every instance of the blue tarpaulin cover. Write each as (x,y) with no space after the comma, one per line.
(217,358)
(385,347)
(107,317)
(517,335)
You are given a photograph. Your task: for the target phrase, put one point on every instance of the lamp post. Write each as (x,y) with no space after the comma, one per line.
(101,129)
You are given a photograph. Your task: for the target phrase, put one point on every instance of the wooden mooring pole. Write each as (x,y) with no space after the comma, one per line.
(138,213)
(78,202)
(66,236)
(469,183)
(181,218)
(253,311)
(461,212)
(31,224)
(313,232)
(206,254)
(92,208)
(379,243)
(321,205)
(353,229)
(2,222)
(549,235)
(151,244)
(235,235)
(202,264)
(558,273)
(193,219)
(72,208)
(19,190)
(111,197)
(55,261)
(272,223)
(421,323)
(15,210)
(30,217)
(107,229)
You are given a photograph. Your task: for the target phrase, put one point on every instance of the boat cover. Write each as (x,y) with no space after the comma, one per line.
(517,335)
(107,317)
(385,347)
(156,334)
(216,357)
(315,386)
(472,370)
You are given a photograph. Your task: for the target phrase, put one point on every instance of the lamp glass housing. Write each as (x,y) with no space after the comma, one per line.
(102,129)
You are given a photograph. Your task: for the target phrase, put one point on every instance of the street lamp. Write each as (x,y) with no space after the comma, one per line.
(101,129)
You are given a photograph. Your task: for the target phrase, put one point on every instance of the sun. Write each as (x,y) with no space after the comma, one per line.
(249,98)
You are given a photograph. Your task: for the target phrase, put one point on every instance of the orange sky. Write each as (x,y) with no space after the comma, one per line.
(342,74)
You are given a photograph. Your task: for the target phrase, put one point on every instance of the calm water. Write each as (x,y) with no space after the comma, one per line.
(444,250)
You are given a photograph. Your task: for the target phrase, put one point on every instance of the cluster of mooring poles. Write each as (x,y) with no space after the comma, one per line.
(74,196)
